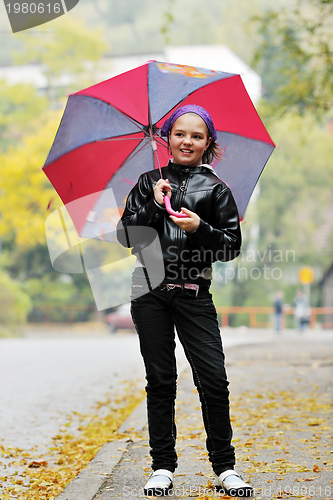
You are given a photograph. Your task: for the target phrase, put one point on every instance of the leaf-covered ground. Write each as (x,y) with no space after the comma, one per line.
(281,400)
(282,415)
(29,476)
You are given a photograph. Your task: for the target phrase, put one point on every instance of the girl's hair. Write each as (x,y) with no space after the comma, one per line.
(213,151)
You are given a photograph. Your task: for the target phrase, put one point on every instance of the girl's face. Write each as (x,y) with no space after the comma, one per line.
(188,140)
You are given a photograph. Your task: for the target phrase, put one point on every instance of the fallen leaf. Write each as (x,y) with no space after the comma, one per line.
(315,421)
(36,464)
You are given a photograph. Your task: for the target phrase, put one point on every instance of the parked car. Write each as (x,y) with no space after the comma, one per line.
(120,319)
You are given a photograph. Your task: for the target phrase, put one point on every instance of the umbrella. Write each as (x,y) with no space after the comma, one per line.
(109,135)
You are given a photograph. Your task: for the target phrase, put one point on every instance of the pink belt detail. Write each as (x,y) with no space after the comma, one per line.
(189,286)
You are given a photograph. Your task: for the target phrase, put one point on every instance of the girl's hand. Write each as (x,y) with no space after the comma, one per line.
(189,224)
(162,187)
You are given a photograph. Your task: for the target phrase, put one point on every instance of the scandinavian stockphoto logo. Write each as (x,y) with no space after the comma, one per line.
(24,15)
(107,264)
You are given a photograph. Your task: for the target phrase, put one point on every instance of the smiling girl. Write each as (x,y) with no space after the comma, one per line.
(190,245)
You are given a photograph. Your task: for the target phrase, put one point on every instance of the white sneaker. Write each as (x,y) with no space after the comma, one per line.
(233,485)
(159,483)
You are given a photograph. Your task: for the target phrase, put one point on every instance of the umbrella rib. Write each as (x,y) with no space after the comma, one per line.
(140,127)
(135,152)
(118,138)
(178,105)
(137,124)
(160,141)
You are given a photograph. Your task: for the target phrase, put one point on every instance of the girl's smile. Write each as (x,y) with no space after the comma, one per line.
(189,140)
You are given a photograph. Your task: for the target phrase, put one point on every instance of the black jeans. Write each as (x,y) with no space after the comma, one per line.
(155,315)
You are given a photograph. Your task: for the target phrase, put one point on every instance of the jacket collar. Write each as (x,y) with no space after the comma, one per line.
(194,170)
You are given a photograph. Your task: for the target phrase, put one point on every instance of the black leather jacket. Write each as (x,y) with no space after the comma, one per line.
(187,256)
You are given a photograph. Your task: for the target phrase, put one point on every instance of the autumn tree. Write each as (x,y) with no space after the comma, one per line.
(26,192)
(20,108)
(295,57)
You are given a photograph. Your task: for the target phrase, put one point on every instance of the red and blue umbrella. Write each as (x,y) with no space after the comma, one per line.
(109,135)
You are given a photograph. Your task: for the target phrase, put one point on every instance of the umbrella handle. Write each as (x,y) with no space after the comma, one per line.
(170,210)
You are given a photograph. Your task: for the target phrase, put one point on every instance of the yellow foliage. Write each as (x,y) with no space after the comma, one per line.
(20,104)
(25,190)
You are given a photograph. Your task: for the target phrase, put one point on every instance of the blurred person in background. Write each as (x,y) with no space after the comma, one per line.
(278,305)
(302,311)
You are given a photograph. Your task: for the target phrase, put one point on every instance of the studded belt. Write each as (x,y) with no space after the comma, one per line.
(187,286)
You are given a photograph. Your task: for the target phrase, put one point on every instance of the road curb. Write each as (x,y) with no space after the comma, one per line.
(91,478)
(88,482)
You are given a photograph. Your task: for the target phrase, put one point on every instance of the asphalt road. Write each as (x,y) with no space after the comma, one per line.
(43,380)
(48,375)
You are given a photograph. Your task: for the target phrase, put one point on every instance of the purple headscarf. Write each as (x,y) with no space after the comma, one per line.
(189,108)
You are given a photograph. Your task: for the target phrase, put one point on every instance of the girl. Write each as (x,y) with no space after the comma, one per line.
(189,245)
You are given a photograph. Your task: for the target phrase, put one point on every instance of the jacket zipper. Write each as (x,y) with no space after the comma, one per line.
(182,188)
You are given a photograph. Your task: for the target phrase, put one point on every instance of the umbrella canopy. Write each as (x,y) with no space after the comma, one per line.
(109,131)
